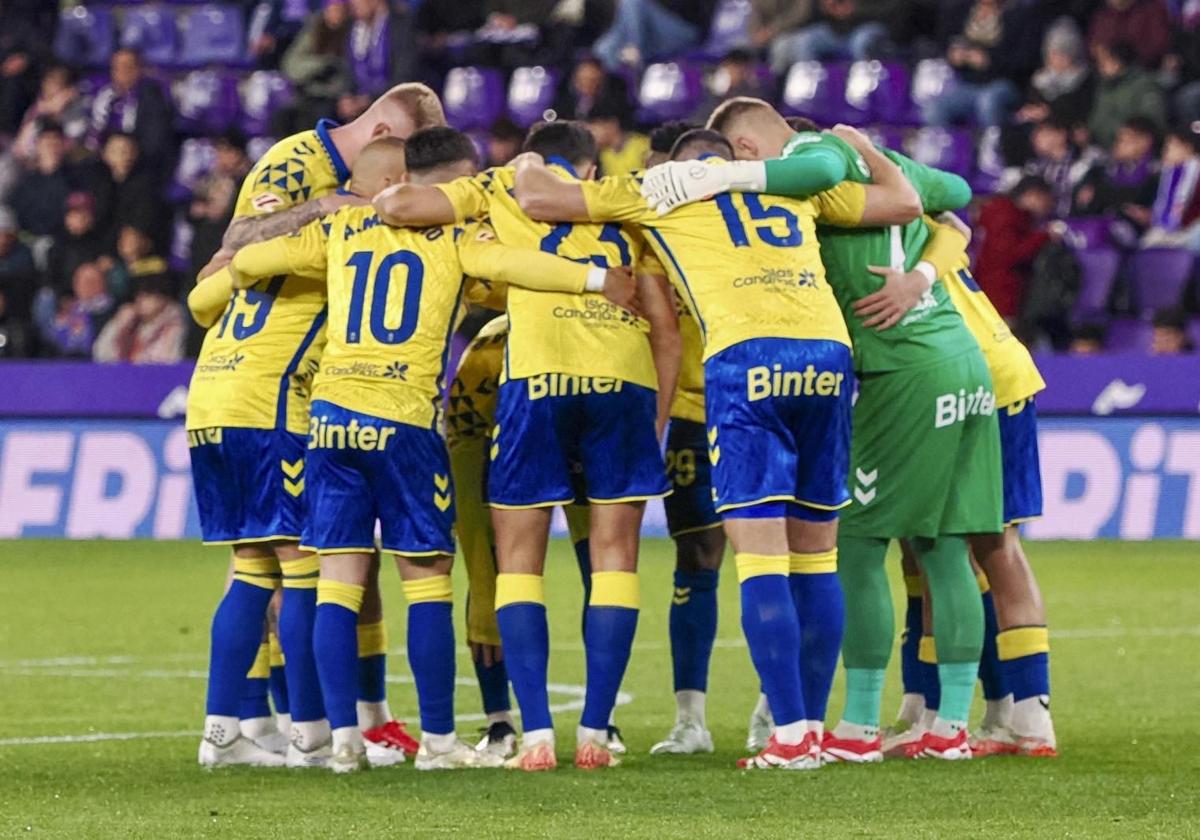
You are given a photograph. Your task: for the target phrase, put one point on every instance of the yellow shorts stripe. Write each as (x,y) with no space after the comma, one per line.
(757,565)
(912,586)
(1017,642)
(372,639)
(275,651)
(817,563)
(428,590)
(516,588)
(261,669)
(615,589)
(927,650)
(348,595)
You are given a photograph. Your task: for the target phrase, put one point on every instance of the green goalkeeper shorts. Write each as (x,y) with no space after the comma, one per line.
(925,455)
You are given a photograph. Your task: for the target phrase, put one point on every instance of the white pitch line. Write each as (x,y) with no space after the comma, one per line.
(93,737)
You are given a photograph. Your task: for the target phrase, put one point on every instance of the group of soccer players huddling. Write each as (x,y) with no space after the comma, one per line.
(792,309)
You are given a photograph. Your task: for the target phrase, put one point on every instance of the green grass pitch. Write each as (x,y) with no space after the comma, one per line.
(111,638)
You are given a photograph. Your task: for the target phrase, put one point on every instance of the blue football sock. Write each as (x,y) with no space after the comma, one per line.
(521,616)
(991,676)
(772,632)
(297,618)
(372,662)
(279,691)
(236,634)
(610,623)
(910,663)
(1025,656)
(493,686)
(254,701)
(693,627)
(821,613)
(431,650)
(335,644)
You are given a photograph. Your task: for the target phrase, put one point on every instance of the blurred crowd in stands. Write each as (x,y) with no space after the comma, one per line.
(126,129)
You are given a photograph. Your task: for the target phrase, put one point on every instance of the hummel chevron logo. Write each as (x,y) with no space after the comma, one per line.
(294,488)
(441,482)
(682,596)
(293,469)
(441,495)
(712,436)
(863,491)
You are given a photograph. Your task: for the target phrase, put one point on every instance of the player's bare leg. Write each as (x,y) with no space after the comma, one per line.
(762,552)
(610,622)
(698,556)
(340,594)
(522,536)
(1022,641)
(431,655)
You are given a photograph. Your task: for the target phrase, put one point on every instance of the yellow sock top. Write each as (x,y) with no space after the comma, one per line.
(984,584)
(927,650)
(348,595)
(261,669)
(518,588)
(275,650)
(757,565)
(428,590)
(372,639)
(262,572)
(912,586)
(615,589)
(1017,642)
(815,563)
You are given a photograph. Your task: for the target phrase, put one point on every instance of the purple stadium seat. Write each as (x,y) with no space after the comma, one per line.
(530,94)
(945,148)
(473,97)
(817,90)
(85,35)
(151,31)
(932,77)
(887,136)
(256,147)
(1194,332)
(207,101)
(1087,232)
(180,258)
(1159,277)
(1098,271)
(669,91)
(263,93)
(730,28)
(197,155)
(212,34)
(877,92)
(1128,335)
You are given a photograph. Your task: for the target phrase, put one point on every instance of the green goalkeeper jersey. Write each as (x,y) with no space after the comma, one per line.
(933,329)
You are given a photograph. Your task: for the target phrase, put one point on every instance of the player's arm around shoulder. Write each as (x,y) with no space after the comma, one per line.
(424,205)
(544,196)
(209,297)
(889,200)
(300,253)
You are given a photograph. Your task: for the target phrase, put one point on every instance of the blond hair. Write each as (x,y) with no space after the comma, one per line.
(732,110)
(419,102)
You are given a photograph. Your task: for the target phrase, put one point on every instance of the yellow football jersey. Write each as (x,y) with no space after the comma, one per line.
(256,365)
(1015,377)
(748,266)
(472,405)
(572,334)
(394,297)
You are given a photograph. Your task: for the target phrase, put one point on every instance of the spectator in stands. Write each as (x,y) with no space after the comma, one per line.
(1143,24)
(648,30)
(82,241)
(1175,214)
(842,30)
(68,323)
(316,66)
(1089,340)
(517,32)
(59,102)
(1170,337)
(1182,65)
(133,104)
(381,51)
(1013,235)
(735,76)
(39,194)
(1055,160)
(26,27)
(589,88)
(503,142)
(1125,186)
(1064,87)
(993,50)
(272,27)
(14,332)
(621,150)
(18,274)
(771,21)
(214,197)
(135,249)
(1125,91)
(441,26)
(134,194)
(149,330)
